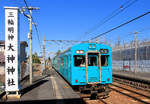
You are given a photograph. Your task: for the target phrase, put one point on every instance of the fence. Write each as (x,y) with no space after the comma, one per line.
(127,58)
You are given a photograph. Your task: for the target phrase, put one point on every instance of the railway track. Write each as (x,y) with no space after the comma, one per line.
(87,99)
(139,96)
(96,101)
(135,84)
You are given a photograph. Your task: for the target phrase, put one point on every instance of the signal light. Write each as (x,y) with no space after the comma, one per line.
(108,79)
(89,46)
(93,46)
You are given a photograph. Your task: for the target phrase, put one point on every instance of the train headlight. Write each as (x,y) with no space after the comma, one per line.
(81,51)
(77,51)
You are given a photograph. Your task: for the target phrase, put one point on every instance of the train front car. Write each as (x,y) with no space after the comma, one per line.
(92,67)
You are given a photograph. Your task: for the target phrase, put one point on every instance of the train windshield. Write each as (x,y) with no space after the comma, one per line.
(79,60)
(92,59)
(104,60)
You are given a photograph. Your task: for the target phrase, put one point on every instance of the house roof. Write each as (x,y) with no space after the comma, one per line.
(2,57)
(2,42)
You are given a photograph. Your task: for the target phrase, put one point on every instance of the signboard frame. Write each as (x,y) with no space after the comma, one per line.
(12,49)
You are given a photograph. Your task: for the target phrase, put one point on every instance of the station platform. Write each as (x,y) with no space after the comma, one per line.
(52,89)
(137,76)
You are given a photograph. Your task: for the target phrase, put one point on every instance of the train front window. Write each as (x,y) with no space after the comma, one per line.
(79,60)
(92,60)
(104,60)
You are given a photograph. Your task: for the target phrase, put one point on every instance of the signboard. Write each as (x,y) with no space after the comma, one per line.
(126,65)
(11,49)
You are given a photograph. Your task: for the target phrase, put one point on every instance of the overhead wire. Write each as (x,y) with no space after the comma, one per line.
(112,15)
(130,37)
(36,29)
(120,25)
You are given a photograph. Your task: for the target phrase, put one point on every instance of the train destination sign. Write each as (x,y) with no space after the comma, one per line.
(11,49)
(104,51)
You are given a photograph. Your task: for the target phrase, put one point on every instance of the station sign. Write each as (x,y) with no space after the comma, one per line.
(12,45)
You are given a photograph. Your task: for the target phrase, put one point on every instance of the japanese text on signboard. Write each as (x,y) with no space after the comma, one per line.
(11,49)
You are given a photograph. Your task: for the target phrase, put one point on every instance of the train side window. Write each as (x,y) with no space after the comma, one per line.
(62,62)
(67,62)
(104,60)
(79,60)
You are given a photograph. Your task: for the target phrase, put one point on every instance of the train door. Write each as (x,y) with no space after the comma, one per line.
(69,67)
(93,67)
(66,67)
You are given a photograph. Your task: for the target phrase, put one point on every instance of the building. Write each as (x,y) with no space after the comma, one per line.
(23,45)
(2,63)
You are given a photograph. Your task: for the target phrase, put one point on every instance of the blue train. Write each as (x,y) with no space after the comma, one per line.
(87,66)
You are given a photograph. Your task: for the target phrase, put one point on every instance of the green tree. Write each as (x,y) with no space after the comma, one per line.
(58,52)
(35,58)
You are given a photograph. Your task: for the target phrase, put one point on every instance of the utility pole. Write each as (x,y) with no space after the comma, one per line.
(30,37)
(135,54)
(44,52)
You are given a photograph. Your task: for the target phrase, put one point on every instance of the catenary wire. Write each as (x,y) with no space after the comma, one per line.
(110,16)
(121,25)
(36,29)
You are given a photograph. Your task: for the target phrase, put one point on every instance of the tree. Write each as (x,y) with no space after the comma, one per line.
(58,52)
(35,58)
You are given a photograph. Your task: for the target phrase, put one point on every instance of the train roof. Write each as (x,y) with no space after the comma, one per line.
(82,44)
(103,45)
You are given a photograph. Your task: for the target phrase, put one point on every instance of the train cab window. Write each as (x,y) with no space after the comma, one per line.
(79,60)
(104,60)
(93,60)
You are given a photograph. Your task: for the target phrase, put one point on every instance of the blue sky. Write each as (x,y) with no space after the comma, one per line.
(70,19)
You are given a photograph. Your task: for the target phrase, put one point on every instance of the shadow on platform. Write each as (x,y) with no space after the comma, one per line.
(55,101)
(31,87)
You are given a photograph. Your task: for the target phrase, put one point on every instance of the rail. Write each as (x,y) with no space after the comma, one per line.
(138,84)
(122,89)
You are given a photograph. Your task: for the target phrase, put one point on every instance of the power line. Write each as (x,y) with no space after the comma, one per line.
(36,29)
(112,15)
(121,25)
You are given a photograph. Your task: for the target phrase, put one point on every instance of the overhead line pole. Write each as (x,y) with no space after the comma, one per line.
(30,38)
(135,57)
(43,52)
